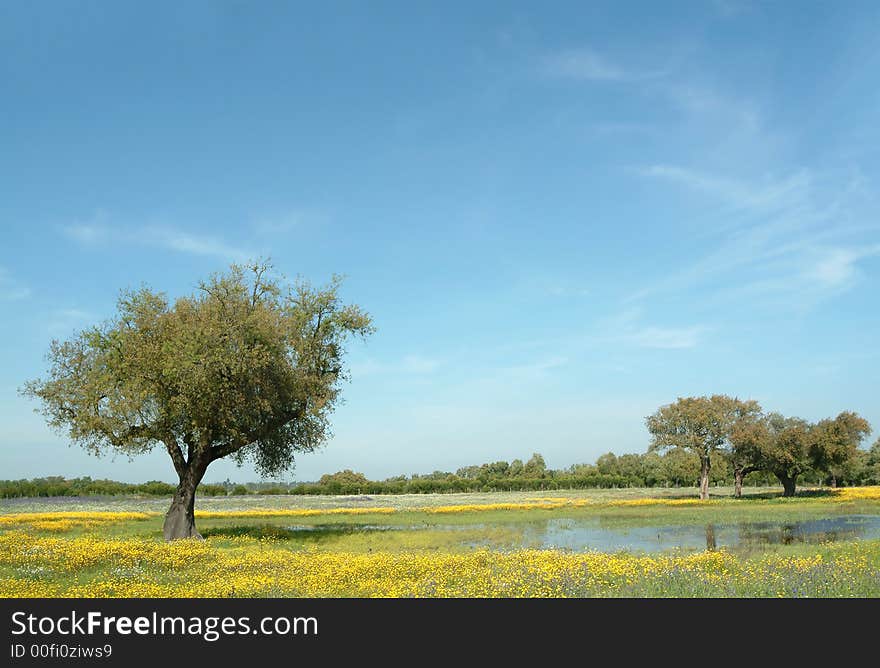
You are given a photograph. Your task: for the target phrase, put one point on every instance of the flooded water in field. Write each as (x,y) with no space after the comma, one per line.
(580,535)
(339,528)
(584,534)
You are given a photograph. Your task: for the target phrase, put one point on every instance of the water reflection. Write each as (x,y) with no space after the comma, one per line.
(710,537)
(813,531)
(589,534)
(594,533)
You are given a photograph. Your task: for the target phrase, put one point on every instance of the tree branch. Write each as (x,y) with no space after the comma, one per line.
(121,440)
(220,451)
(259,289)
(190,450)
(224,449)
(176,455)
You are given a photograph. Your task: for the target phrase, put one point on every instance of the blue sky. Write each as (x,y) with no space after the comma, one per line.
(560,217)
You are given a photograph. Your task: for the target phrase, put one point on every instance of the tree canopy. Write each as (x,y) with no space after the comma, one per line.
(752,441)
(246,368)
(835,442)
(747,440)
(700,425)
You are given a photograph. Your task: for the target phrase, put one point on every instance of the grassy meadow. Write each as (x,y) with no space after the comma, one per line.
(461,545)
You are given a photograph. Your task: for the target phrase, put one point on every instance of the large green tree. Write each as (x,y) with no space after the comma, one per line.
(247,368)
(700,425)
(786,450)
(835,443)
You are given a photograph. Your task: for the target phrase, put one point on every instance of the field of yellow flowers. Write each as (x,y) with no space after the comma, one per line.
(88,566)
(76,554)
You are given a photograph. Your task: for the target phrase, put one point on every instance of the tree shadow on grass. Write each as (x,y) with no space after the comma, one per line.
(302,533)
(799,494)
(260,531)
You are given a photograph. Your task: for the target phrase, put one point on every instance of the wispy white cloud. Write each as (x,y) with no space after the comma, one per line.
(627,327)
(551,286)
(730,8)
(699,100)
(838,267)
(615,128)
(567,291)
(92,231)
(66,319)
(406,365)
(285,222)
(798,237)
(87,233)
(772,231)
(419,364)
(763,197)
(583,64)
(535,369)
(666,337)
(98,233)
(185,242)
(11,289)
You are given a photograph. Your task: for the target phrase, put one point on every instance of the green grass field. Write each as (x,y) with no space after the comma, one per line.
(583,543)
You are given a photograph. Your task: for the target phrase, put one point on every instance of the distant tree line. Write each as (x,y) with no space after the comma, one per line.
(696,442)
(60,486)
(675,467)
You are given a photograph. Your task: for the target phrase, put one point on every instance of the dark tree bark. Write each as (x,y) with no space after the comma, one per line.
(738,483)
(788,483)
(704,478)
(180,520)
(738,476)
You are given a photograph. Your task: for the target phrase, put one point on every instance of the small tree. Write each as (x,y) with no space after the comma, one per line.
(629,466)
(607,464)
(494,470)
(745,436)
(873,463)
(854,471)
(346,477)
(748,440)
(698,424)
(516,468)
(681,467)
(652,469)
(535,467)
(246,368)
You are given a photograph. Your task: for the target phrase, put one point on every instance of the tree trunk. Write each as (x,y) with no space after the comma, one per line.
(738,483)
(180,521)
(833,481)
(704,478)
(788,484)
